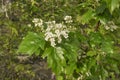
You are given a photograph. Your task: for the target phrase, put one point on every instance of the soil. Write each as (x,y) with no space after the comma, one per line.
(39,67)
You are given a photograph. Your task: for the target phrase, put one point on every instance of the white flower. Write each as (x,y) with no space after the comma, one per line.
(36,25)
(57,32)
(59,26)
(38,22)
(107,28)
(54,32)
(68,19)
(110,26)
(50,23)
(64,33)
(48,29)
(114,27)
(52,40)
(46,38)
(48,35)
(59,39)
(29,25)
(35,20)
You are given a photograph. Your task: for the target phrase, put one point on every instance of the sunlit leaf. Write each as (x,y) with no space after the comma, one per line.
(114,4)
(70,69)
(60,55)
(31,43)
(47,52)
(91,53)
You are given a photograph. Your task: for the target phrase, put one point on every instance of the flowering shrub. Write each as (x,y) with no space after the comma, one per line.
(54,31)
(83,46)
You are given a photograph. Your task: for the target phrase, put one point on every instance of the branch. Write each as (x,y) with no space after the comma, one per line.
(97,26)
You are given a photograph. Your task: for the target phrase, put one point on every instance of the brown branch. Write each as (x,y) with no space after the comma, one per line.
(97,26)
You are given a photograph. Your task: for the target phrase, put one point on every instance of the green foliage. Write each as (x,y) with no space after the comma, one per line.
(112,4)
(86,17)
(32,43)
(91,50)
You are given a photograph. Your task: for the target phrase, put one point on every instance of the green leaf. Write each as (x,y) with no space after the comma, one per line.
(47,52)
(41,44)
(14,31)
(116,56)
(70,69)
(91,53)
(37,52)
(59,77)
(86,17)
(107,47)
(41,41)
(60,55)
(100,9)
(114,4)
(27,48)
(31,44)
(50,62)
(95,38)
(55,59)
(91,63)
(71,52)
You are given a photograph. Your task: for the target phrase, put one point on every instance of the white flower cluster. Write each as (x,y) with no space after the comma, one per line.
(68,19)
(38,22)
(110,26)
(54,31)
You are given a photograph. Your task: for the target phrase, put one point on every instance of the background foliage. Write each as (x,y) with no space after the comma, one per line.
(90,53)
